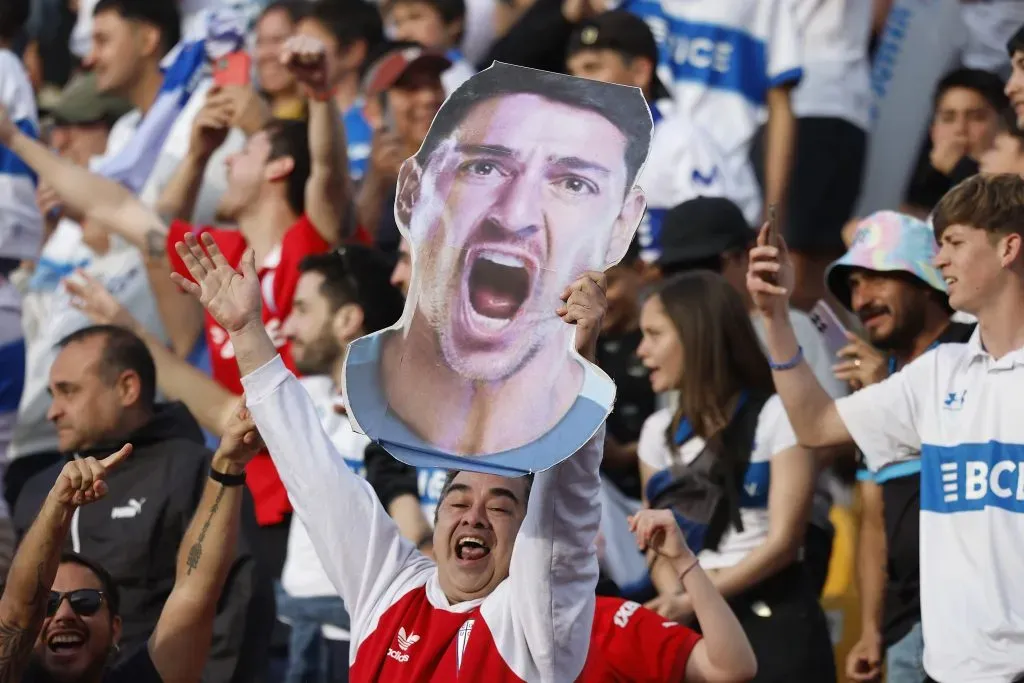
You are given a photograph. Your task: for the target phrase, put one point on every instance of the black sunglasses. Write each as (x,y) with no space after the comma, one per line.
(84,601)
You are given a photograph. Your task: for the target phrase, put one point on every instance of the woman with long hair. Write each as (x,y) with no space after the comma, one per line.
(726,462)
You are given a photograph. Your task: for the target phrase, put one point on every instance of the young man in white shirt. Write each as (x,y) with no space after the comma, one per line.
(958,405)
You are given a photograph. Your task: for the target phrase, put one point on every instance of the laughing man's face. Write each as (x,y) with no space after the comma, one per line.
(525,196)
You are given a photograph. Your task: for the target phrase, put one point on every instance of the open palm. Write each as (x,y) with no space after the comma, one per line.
(231,297)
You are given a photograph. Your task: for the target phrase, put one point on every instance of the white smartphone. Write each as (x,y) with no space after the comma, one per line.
(830,327)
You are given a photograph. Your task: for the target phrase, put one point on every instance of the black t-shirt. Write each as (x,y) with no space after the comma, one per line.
(136,667)
(634,399)
(901,498)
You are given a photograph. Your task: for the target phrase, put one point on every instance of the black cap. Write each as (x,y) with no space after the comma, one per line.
(700,229)
(622,32)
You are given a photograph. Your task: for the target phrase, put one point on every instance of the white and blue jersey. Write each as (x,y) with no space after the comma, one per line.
(685,163)
(720,58)
(960,409)
(773,435)
(21,226)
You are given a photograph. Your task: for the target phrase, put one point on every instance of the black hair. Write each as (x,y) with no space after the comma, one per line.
(162,14)
(985,83)
(350,21)
(450,10)
(290,138)
(1008,124)
(122,350)
(13,16)
(295,9)
(1016,42)
(358,275)
(625,110)
(107,583)
(450,479)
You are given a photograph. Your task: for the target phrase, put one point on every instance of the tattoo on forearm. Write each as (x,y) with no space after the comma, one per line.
(196,551)
(16,643)
(156,244)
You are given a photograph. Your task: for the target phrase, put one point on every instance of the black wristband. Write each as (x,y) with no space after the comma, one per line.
(227,479)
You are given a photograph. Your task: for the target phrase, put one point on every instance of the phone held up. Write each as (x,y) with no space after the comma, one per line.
(772,240)
(233,69)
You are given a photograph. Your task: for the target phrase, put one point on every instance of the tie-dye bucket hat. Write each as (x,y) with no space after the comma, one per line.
(887,241)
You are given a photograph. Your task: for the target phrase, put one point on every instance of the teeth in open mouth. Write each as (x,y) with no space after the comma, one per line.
(502,259)
(65,640)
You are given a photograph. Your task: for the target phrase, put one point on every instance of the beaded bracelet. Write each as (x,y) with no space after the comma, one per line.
(791,363)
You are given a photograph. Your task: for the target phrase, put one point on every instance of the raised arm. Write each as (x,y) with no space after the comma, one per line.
(812,412)
(724,653)
(209,131)
(553,571)
(180,643)
(329,188)
(85,194)
(358,544)
(23,605)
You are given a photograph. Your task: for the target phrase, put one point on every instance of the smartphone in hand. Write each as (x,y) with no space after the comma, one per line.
(233,69)
(829,326)
(772,241)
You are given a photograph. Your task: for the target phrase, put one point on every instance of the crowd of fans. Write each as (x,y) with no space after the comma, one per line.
(198,217)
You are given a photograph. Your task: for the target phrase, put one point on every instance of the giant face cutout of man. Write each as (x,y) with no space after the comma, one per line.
(524,182)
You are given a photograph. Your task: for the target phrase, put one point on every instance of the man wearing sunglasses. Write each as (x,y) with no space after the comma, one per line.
(69,632)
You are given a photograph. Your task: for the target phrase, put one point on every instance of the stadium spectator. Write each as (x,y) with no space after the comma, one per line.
(887,279)
(707,49)
(964,124)
(103,383)
(69,632)
(1007,152)
(403,91)
(340,297)
(727,463)
(953,405)
(832,105)
(351,31)
(288,191)
(130,39)
(276,24)
(20,237)
(435,25)
(83,120)
(684,161)
(616,355)
(1015,86)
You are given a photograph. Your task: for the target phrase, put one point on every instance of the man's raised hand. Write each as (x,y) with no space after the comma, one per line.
(83,480)
(306,58)
(585,306)
(241,440)
(766,263)
(232,298)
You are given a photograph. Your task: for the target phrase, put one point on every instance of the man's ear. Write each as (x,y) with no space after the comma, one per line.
(641,71)
(279,168)
(410,179)
(149,38)
(347,323)
(129,388)
(454,31)
(1010,249)
(625,226)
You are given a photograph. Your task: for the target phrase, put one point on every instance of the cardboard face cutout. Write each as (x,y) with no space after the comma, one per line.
(524,182)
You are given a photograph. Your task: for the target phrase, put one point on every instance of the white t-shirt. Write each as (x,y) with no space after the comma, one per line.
(837,73)
(773,435)
(990,24)
(50,316)
(961,409)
